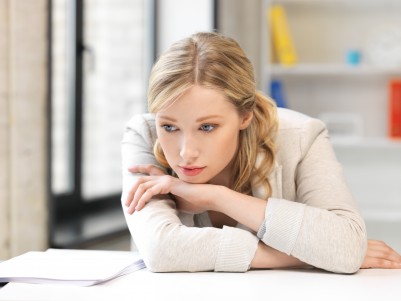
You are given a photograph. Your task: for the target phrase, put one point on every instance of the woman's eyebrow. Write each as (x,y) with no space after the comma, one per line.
(167,118)
(200,119)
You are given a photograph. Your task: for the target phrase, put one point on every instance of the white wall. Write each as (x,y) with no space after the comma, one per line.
(178,19)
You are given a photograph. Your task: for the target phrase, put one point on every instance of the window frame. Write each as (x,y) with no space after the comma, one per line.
(69,212)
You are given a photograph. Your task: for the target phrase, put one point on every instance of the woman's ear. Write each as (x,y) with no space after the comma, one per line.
(246,120)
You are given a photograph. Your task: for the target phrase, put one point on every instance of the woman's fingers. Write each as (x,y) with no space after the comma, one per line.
(149,169)
(143,194)
(146,197)
(380,263)
(380,255)
(383,249)
(132,191)
(135,193)
(380,249)
(144,189)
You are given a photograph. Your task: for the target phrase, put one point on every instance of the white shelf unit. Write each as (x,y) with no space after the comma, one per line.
(323,83)
(332,70)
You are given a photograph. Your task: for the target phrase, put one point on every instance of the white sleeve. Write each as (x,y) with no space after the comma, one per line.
(165,244)
(322,227)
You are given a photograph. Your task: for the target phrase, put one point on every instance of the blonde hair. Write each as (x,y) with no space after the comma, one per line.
(214,61)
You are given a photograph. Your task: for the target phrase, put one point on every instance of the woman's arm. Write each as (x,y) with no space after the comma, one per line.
(379,255)
(322,227)
(267,257)
(247,210)
(164,242)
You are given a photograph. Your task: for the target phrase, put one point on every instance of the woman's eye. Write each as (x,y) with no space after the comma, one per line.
(207,127)
(169,128)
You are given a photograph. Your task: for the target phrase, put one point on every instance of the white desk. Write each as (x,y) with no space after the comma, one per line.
(381,285)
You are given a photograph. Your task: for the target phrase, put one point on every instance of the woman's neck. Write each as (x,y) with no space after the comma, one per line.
(225,177)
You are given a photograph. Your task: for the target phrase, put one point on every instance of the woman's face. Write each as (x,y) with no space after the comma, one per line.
(199,135)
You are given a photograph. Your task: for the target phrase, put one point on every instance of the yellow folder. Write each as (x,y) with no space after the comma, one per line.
(283,45)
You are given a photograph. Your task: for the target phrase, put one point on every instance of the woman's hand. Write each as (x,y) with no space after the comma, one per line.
(381,256)
(158,183)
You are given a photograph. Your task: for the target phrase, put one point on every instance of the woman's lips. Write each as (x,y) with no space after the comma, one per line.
(191,171)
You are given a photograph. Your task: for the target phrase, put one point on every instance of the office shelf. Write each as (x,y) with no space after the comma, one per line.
(354,95)
(331,70)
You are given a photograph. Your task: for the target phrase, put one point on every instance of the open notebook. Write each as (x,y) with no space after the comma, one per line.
(73,267)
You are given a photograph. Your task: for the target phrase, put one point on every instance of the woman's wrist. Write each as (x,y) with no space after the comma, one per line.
(269,258)
(245,209)
(213,196)
(196,198)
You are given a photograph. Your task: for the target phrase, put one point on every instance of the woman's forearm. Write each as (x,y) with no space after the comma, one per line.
(245,209)
(250,211)
(269,258)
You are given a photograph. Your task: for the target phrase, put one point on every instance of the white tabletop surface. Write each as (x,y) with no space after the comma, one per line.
(254,285)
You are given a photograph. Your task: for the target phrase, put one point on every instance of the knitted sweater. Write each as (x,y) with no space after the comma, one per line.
(311,214)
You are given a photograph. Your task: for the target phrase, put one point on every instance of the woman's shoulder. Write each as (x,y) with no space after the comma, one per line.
(297,129)
(293,120)
(143,125)
(145,120)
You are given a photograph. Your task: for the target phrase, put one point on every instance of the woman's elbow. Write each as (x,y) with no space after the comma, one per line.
(351,267)
(155,256)
(159,251)
(352,256)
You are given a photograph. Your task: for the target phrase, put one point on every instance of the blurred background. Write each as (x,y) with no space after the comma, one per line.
(72,73)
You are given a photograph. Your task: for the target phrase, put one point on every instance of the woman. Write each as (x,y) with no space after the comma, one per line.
(217,178)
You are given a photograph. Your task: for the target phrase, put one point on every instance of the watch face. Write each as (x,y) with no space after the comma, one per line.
(384,47)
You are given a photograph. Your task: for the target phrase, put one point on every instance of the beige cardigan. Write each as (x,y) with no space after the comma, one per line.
(311,214)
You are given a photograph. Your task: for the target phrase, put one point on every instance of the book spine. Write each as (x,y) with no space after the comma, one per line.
(277,93)
(283,44)
(395,109)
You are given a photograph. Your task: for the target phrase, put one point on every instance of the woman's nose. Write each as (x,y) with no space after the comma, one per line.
(189,149)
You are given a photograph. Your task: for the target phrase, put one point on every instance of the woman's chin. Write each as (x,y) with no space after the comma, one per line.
(193,180)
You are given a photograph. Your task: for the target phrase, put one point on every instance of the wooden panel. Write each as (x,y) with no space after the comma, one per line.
(4,129)
(28,106)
